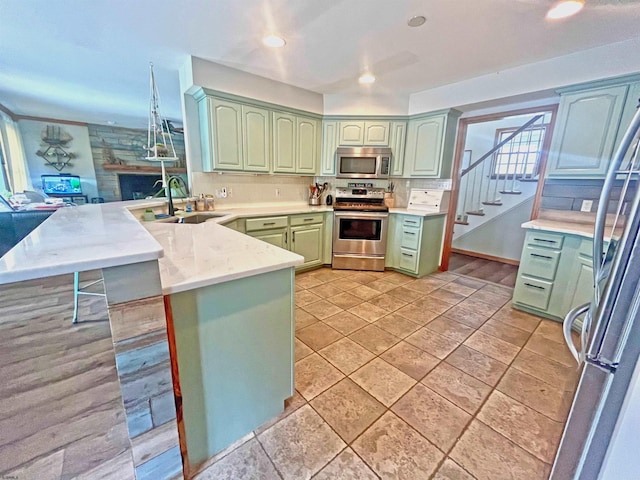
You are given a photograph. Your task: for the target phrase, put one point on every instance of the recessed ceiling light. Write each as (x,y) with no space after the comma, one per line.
(416,21)
(565,9)
(367,78)
(273,41)
(110,122)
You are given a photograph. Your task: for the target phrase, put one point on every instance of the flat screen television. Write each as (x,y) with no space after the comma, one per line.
(61,184)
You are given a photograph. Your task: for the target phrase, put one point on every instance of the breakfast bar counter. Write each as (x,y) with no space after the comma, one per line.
(201,321)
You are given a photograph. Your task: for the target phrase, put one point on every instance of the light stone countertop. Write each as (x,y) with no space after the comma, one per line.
(417,213)
(107,235)
(78,239)
(581,229)
(199,255)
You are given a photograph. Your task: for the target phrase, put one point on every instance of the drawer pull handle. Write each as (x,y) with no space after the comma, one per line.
(409,233)
(534,286)
(541,256)
(407,254)
(269,223)
(545,240)
(308,220)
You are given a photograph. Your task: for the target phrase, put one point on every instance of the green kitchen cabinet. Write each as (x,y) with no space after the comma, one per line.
(278,237)
(306,240)
(256,139)
(307,142)
(221,134)
(430,145)
(234,137)
(329,146)
(585,133)
(295,144)
(414,243)
(555,273)
(397,141)
(303,234)
(284,143)
(629,110)
(360,133)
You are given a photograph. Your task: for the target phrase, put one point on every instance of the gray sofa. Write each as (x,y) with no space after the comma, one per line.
(14,226)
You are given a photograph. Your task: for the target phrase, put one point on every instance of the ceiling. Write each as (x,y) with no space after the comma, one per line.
(88,61)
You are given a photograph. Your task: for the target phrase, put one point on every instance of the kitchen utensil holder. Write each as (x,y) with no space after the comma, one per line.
(314,200)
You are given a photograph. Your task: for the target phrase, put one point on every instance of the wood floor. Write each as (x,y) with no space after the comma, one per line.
(61,413)
(482,269)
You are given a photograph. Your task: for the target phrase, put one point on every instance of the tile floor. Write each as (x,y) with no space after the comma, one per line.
(398,378)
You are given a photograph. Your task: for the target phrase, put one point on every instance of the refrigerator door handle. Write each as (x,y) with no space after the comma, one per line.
(567,325)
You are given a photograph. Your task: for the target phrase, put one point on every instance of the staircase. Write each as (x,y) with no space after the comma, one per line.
(502,178)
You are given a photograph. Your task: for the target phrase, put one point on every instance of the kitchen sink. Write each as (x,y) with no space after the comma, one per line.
(193,218)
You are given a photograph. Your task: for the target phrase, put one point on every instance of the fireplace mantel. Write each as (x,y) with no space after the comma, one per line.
(141,168)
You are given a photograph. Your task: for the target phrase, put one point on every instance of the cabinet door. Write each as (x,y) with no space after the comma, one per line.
(279,237)
(329,145)
(397,142)
(307,241)
(307,146)
(630,107)
(256,139)
(351,133)
(424,146)
(376,133)
(584,283)
(584,138)
(284,143)
(227,134)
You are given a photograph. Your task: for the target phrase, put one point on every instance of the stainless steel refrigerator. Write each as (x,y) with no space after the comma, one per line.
(609,345)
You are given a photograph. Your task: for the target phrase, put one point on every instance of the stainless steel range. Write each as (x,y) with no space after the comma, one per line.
(359,228)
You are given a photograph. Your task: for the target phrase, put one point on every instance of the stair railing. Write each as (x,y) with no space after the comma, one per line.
(472,190)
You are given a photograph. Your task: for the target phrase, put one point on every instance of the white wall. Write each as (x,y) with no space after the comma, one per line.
(80,146)
(520,83)
(366,104)
(218,77)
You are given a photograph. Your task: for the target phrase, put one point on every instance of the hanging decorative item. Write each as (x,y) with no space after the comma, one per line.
(56,155)
(159,142)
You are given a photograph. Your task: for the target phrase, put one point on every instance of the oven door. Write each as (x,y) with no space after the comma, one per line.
(360,233)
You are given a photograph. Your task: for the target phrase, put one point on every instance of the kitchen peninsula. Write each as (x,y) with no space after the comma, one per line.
(221,302)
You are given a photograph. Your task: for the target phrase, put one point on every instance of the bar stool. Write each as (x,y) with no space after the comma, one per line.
(77,291)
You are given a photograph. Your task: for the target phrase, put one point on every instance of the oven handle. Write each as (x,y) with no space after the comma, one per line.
(352,214)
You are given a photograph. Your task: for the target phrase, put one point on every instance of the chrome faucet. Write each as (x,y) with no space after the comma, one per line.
(179,181)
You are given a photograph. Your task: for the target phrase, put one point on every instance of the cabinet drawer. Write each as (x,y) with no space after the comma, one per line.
(408,260)
(307,219)
(533,292)
(540,262)
(545,239)
(412,221)
(265,223)
(410,237)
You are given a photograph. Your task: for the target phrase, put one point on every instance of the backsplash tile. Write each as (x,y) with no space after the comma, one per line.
(261,188)
(568,194)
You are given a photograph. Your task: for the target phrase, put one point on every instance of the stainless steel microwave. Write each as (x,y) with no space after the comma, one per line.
(363,162)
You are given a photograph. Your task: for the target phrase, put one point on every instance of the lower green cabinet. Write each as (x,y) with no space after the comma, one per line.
(414,243)
(555,274)
(302,234)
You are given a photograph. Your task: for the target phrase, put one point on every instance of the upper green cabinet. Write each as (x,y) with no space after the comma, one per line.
(234,136)
(588,128)
(397,141)
(430,145)
(295,144)
(329,145)
(254,137)
(221,134)
(284,142)
(360,132)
